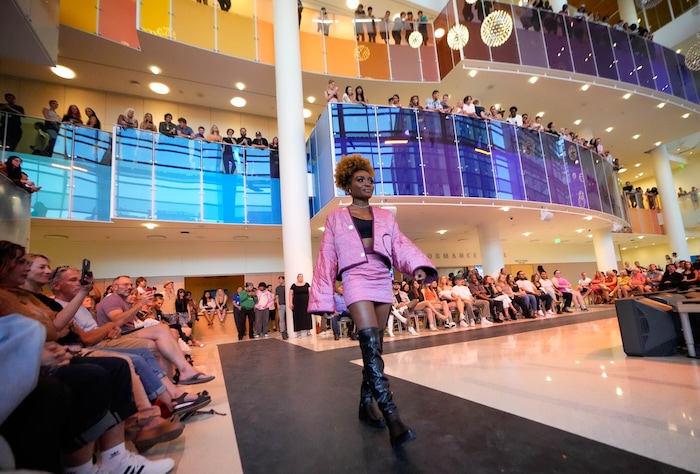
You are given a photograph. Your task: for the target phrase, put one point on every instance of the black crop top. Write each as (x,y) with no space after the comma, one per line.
(364,227)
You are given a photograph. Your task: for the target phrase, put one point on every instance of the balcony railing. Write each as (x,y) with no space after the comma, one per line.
(96,175)
(426,153)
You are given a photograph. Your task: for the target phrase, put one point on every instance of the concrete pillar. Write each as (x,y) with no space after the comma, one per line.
(627,11)
(491,249)
(604,248)
(296,229)
(671,209)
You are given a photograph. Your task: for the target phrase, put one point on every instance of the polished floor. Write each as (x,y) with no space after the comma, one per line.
(548,395)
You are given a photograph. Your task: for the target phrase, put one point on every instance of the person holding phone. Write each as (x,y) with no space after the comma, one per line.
(360,245)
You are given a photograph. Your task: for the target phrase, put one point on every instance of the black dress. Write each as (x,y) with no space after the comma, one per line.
(300,300)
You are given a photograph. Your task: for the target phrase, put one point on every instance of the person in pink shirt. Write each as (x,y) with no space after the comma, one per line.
(563,285)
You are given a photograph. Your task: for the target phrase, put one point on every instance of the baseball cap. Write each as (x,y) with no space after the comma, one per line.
(258,133)
(459,277)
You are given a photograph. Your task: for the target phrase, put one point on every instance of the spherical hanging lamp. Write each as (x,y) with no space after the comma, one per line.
(496,28)
(458,37)
(362,53)
(692,58)
(415,39)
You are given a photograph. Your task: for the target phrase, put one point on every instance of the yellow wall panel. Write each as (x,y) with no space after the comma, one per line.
(155,17)
(341,57)
(311,46)
(193,24)
(236,35)
(266,43)
(80,14)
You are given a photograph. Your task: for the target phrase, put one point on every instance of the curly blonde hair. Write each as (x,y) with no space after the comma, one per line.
(348,166)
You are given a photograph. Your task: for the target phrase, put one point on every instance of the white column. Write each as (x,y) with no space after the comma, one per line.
(670,208)
(627,11)
(294,193)
(491,249)
(604,248)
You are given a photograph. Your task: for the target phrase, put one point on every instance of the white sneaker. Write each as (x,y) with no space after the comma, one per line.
(550,314)
(463,323)
(412,331)
(323,333)
(540,313)
(391,333)
(433,328)
(133,463)
(449,324)
(486,322)
(472,323)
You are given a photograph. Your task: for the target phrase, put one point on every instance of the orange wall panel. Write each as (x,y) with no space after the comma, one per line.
(340,57)
(79,14)
(118,22)
(266,43)
(376,65)
(311,46)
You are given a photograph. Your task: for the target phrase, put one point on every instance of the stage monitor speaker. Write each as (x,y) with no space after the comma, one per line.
(647,327)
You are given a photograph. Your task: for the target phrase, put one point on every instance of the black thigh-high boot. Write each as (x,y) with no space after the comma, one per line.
(368,412)
(371,346)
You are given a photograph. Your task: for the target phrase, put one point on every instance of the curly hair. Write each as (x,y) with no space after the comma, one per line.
(348,166)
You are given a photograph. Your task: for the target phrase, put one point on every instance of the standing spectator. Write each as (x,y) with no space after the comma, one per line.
(298,302)
(360,16)
(408,25)
(92,120)
(229,161)
(259,141)
(11,129)
(423,26)
(244,139)
(52,125)
(360,95)
(167,127)
(168,308)
(248,300)
(147,123)
(281,303)
(331,92)
(324,24)
(73,116)
(371,26)
(127,119)
(221,304)
(13,168)
(183,130)
(384,26)
(514,118)
(349,95)
(397,28)
(238,313)
(262,310)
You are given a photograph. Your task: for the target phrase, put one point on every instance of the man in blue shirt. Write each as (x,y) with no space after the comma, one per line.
(183,130)
(341,310)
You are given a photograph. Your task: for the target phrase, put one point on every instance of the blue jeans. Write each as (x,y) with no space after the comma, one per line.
(147,368)
(334,321)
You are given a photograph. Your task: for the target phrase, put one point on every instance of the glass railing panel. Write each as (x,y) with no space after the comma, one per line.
(400,152)
(118,21)
(690,80)
(339,52)
(223,183)
(575,174)
(508,51)
(235,33)
(581,47)
(325,165)
(603,51)
(155,17)
(405,63)
(80,14)
(474,157)
(177,188)
(135,145)
(626,67)
(532,160)
(429,63)
(600,166)
(613,192)
(439,154)
(506,161)
(375,64)
(133,190)
(354,130)
(475,48)
(92,145)
(658,66)
(175,152)
(313,57)
(556,41)
(528,29)
(92,150)
(53,175)
(589,178)
(193,23)
(674,73)
(261,194)
(642,63)
(555,164)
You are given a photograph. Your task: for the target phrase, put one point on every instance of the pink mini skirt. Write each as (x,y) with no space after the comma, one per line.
(370,281)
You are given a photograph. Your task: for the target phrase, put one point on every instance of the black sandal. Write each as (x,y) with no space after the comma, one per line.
(181,406)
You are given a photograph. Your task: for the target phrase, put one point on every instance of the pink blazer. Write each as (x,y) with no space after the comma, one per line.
(341,249)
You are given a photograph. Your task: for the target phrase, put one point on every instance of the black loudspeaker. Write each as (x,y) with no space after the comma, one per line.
(647,327)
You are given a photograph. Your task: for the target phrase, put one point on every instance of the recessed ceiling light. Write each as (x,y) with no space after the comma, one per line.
(240,86)
(637,165)
(577,122)
(661,105)
(527,234)
(585,87)
(624,248)
(627,96)
(442,231)
(64,72)
(590,236)
(640,237)
(150,226)
(609,129)
(307,113)
(155,237)
(589,218)
(322,229)
(641,174)
(155,70)
(635,137)
(55,237)
(533,79)
(352,4)
(539,114)
(159,88)
(439,33)
(311,99)
(505,208)
(622,170)
(498,106)
(678,51)
(238,102)
(579,230)
(472,73)
(657,143)
(686,115)
(239,238)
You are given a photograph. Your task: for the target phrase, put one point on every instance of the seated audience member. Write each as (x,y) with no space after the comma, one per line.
(77,401)
(654,276)
(610,283)
(341,311)
(529,287)
(401,306)
(509,311)
(623,288)
(546,285)
(690,275)
(200,133)
(127,119)
(259,141)
(444,291)
(526,301)
(479,292)
(183,130)
(147,123)
(638,282)
(466,301)
(415,293)
(570,295)
(167,127)
(244,139)
(441,308)
(13,170)
(207,305)
(116,311)
(73,116)
(671,279)
(584,284)
(599,288)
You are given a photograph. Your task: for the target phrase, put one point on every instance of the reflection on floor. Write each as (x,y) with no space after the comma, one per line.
(554,395)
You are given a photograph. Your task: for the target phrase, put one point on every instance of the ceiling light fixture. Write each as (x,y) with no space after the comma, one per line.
(155,70)
(441,231)
(577,122)
(472,73)
(496,28)
(311,99)
(352,4)
(685,115)
(159,88)
(661,105)
(240,86)
(527,234)
(238,102)
(307,113)
(627,96)
(609,129)
(589,218)
(150,226)
(585,87)
(64,72)
(532,80)
(458,37)
(657,143)
(635,137)
(439,33)
(622,170)
(505,208)
(415,39)
(539,114)
(637,165)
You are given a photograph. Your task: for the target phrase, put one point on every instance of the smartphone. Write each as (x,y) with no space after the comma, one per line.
(85,274)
